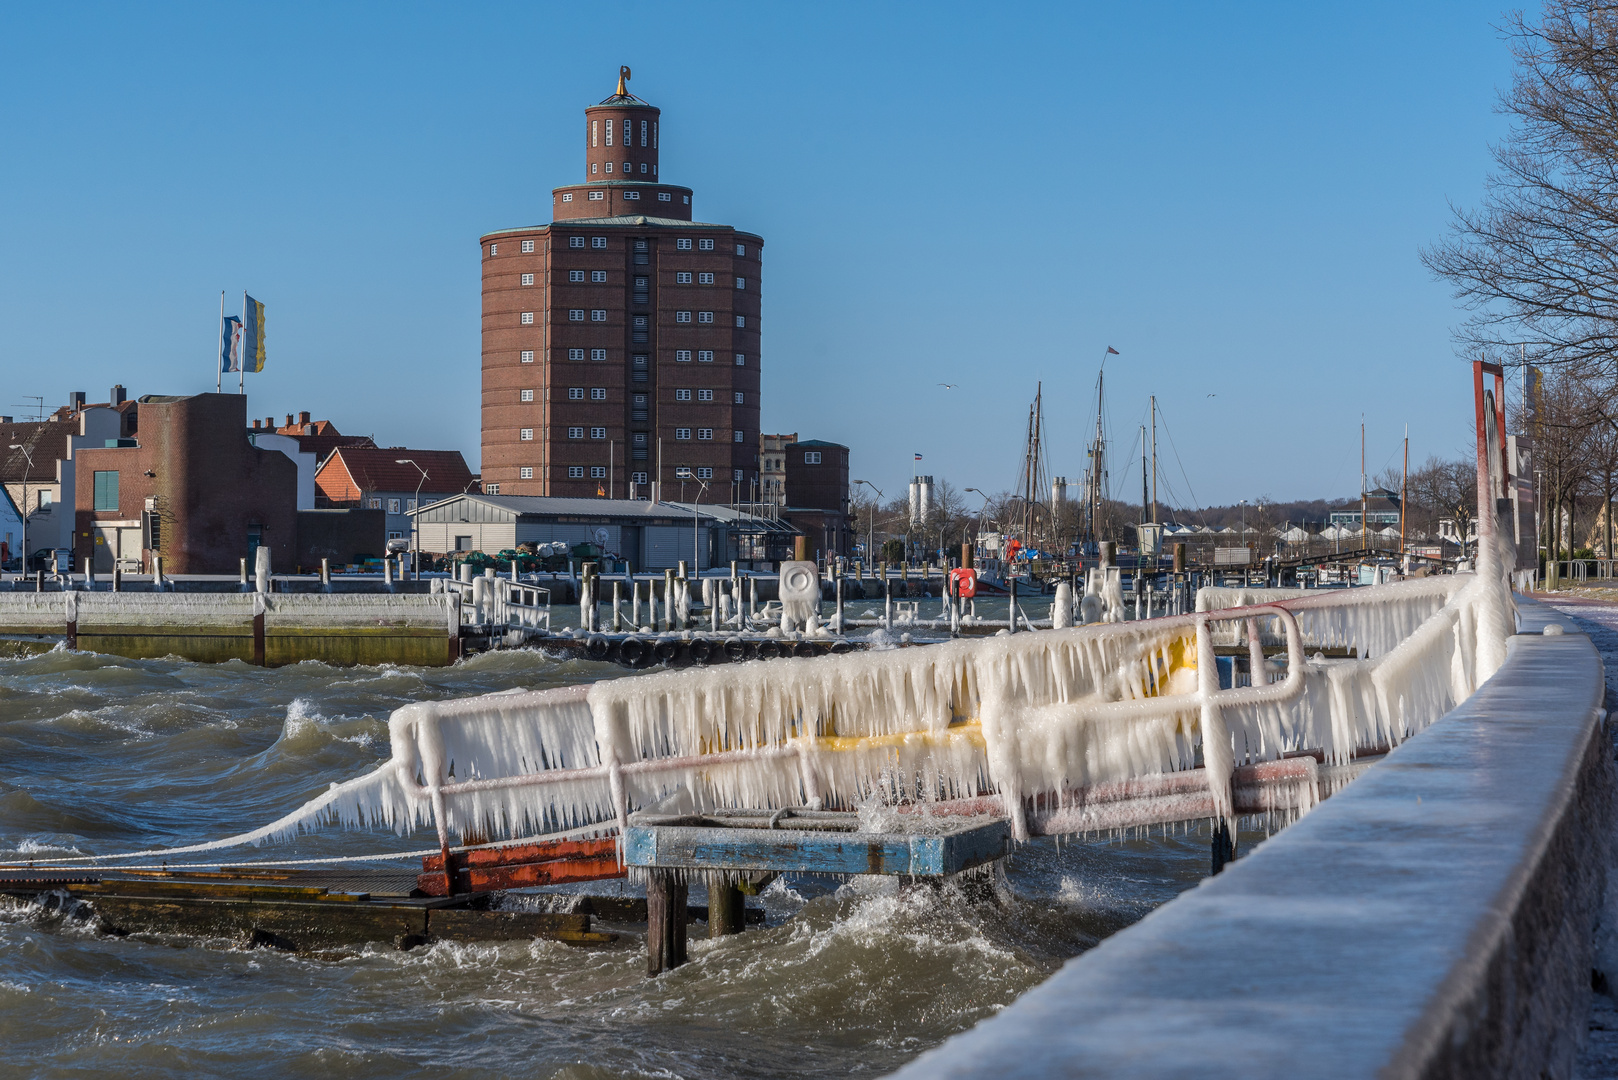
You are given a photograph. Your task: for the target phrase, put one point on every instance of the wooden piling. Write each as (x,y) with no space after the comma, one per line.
(727,908)
(665,923)
(1224,846)
(800,548)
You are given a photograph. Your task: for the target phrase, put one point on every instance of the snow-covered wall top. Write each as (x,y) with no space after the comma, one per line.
(1434,918)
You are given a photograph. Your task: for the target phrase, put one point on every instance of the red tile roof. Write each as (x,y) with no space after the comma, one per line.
(353,471)
(45,440)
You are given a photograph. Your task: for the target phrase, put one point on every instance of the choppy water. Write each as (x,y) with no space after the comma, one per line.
(102,754)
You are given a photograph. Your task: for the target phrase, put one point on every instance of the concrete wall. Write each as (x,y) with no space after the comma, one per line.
(1433,919)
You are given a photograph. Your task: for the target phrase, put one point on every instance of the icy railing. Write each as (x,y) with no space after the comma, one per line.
(1027,715)
(1043,716)
(117,609)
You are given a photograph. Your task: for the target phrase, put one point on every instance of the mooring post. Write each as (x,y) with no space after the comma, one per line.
(887,601)
(1224,845)
(39,581)
(1011,598)
(617,607)
(727,907)
(117,578)
(157,573)
(325,572)
(89,575)
(665,923)
(634,604)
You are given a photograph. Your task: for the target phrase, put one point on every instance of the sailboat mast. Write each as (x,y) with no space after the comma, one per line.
(1154,459)
(1143,489)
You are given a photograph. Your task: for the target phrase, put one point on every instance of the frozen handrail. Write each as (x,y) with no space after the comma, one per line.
(1031,715)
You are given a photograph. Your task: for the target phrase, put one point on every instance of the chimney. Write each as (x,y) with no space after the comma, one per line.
(255,425)
(269,422)
(75,400)
(289,420)
(118,396)
(303,418)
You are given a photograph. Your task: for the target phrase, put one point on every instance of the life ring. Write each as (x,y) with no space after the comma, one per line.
(633,651)
(597,647)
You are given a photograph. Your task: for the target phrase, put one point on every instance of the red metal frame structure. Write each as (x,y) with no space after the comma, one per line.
(1490,493)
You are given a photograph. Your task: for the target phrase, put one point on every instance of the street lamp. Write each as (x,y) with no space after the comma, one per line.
(415,531)
(685,474)
(978,532)
(870,524)
(26,474)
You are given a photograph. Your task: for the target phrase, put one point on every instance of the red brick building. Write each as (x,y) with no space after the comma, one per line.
(190,487)
(817,499)
(621,327)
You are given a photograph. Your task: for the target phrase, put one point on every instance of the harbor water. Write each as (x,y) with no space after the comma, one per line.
(101,754)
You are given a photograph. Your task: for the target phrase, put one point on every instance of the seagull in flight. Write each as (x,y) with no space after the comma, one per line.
(1213,395)
(947,385)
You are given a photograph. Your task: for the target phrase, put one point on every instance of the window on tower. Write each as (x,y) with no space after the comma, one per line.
(598,393)
(682,278)
(631,194)
(598,314)
(704,316)
(525,473)
(528,395)
(575,354)
(594,131)
(704,279)
(528,356)
(704,472)
(527,246)
(609,166)
(575,241)
(628,138)
(528,279)
(576,275)
(598,354)
(738,397)
(598,276)
(682,356)
(704,395)
(643,133)
(741,359)
(526,435)
(704,356)
(682,316)
(598,433)
(575,314)
(528,318)
(598,472)
(596,196)
(575,433)
(598,242)
(575,393)
(683,244)
(682,395)
(705,434)
(575,472)
(609,132)
(704,245)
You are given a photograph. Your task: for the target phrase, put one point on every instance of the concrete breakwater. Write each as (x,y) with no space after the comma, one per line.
(268,630)
(1435,918)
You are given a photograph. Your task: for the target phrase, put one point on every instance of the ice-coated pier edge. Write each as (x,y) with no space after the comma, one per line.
(1433,919)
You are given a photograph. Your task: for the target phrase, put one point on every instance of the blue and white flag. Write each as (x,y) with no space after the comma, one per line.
(230,337)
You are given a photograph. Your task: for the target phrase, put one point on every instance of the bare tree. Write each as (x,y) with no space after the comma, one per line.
(1537,263)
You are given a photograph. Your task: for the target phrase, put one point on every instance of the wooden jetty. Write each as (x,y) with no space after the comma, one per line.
(737,851)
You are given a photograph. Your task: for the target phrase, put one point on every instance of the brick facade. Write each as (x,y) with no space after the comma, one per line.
(623,323)
(212,492)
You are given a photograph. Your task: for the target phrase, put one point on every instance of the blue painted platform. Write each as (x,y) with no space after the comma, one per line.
(818,842)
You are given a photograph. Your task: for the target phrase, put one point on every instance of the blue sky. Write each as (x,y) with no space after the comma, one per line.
(1233,196)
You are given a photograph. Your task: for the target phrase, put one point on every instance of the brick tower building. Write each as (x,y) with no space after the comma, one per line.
(621,327)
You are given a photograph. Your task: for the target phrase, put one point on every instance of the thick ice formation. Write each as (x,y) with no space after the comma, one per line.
(1037,715)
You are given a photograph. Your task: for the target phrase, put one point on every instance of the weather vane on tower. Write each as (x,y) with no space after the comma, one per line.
(623,77)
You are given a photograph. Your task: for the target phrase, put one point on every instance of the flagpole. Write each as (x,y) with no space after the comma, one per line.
(219,337)
(241,370)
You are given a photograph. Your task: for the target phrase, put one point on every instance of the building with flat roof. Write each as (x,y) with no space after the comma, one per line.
(816,497)
(621,340)
(648,535)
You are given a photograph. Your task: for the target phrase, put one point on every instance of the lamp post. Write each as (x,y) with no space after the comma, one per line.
(26,474)
(687,474)
(415,543)
(870,524)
